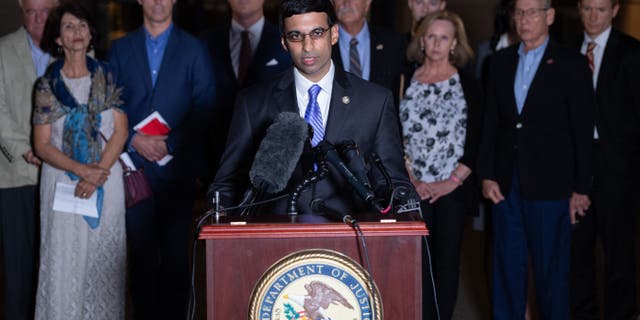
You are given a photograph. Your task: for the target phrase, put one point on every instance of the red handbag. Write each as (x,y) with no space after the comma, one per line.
(136,185)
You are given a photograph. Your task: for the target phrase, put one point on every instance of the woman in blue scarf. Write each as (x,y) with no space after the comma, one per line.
(79,132)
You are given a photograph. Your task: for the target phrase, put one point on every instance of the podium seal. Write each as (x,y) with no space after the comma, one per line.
(315,284)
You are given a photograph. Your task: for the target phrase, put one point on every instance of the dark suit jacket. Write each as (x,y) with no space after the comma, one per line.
(183,95)
(388,62)
(269,60)
(368,118)
(548,144)
(618,100)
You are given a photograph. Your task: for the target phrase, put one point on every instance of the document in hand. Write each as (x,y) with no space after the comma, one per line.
(155,125)
(64,200)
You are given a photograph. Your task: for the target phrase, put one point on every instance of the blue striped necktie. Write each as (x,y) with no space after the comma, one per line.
(313,116)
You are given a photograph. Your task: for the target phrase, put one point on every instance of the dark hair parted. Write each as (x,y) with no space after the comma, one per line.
(289,8)
(461,54)
(52,27)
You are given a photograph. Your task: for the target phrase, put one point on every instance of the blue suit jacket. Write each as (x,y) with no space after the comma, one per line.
(183,95)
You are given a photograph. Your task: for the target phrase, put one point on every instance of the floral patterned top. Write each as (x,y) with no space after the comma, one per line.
(434,126)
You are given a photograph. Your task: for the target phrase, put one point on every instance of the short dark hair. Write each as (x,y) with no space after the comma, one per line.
(289,8)
(52,27)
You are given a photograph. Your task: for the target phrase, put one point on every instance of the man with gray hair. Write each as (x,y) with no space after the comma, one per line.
(21,62)
(534,162)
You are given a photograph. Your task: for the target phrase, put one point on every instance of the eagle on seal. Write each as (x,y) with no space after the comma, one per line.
(319,297)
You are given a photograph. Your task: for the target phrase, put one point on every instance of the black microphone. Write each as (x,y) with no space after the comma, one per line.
(351,154)
(318,206)
(329,151)
(277,156)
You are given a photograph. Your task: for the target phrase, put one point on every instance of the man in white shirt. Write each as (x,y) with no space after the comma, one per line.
(614,58)
(337,104)
(244,50)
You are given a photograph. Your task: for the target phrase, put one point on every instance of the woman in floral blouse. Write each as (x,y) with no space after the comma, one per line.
(441,116)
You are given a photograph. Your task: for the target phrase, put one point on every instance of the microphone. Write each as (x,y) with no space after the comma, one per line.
(277,156)
(318,206)
(351,153)
(329,151)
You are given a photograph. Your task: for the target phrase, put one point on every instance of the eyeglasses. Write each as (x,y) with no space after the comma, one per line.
(315,34)
(532,13)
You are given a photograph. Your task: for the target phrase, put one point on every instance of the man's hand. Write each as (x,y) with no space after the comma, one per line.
(491,191)
(152,148)
(578,204)
(31,158)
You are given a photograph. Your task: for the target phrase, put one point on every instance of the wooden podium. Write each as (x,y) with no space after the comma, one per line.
(237,255)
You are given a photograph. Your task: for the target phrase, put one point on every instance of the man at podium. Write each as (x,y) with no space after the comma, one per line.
(337,105)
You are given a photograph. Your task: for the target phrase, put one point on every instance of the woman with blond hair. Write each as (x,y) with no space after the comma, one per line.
(441,115)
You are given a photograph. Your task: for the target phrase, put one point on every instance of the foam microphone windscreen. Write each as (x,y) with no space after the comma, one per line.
(279,152)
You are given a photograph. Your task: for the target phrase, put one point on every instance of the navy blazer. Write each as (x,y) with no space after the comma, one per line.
(549,143)
(183,95)
(359,110)
(388,62)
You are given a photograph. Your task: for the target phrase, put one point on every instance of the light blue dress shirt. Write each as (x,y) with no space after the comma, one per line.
(155,51)
(527,67)
(40,58)
(364,49)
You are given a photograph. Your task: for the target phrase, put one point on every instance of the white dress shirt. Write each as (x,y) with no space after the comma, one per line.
(324,97)
(598,53)
(235,40)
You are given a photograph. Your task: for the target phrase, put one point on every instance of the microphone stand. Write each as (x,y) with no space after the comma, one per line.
(310,178)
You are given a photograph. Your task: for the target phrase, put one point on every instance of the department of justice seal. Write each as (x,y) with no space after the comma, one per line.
(315,284)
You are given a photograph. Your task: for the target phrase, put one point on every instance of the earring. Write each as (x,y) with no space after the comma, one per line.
(452,52)
(59,49)
(422,49)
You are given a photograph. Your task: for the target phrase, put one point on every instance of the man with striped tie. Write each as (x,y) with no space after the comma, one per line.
(613,59)
(338,105)
(372,53)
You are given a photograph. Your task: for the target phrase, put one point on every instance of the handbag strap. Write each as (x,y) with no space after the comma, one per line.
(125,167)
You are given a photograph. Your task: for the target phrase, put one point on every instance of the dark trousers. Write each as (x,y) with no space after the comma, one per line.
(445,220)
(539,230)
(158,234)
(610,217)
(19,224)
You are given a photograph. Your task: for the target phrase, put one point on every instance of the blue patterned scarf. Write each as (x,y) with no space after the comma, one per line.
(81,135)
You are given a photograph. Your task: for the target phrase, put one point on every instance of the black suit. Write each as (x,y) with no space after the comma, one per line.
(538,156)
(611,215)
(388,62)
(368,118)
(549,142)
(268,60)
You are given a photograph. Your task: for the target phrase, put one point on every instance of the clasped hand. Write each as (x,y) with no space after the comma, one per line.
(434,190)
(152,148)
(91,177)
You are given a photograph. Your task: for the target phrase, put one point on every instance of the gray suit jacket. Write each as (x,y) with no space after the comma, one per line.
(17,76)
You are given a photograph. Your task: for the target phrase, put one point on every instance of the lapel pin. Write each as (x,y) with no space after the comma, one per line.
(346,100)
(550,61)
(380,46)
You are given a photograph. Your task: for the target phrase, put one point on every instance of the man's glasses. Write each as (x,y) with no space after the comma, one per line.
(532,13)
(315,34)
